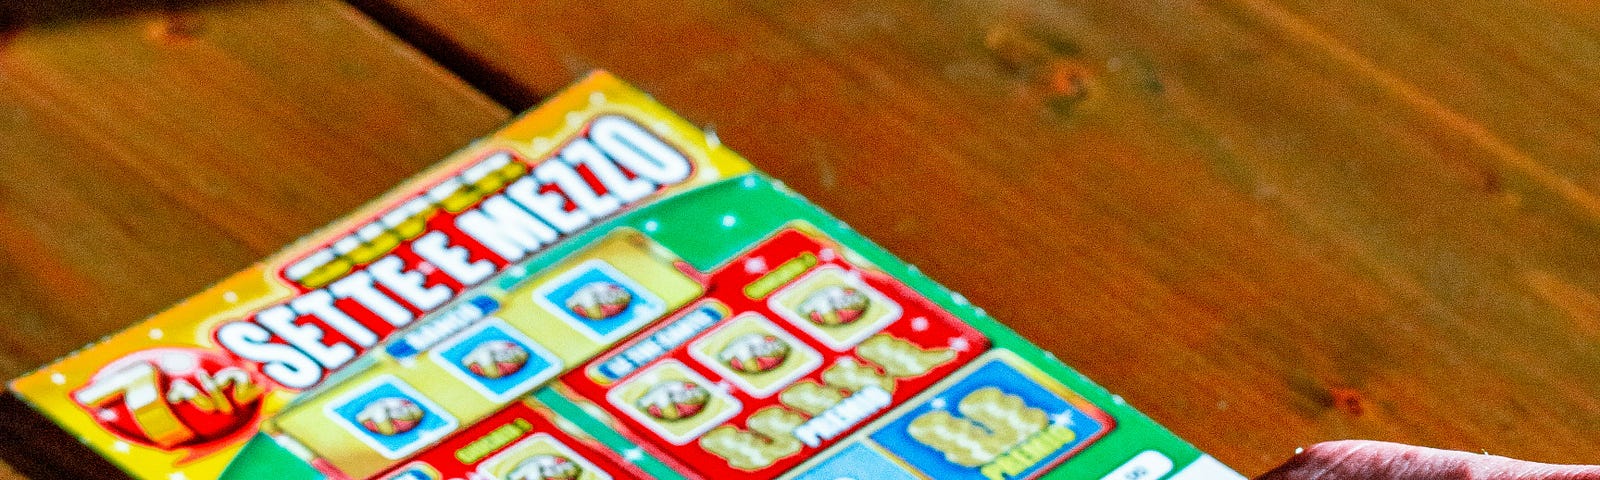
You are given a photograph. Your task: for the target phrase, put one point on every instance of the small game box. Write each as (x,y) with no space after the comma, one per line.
(597,291)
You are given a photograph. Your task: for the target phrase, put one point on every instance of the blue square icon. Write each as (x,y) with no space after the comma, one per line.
(391,417)
(1026,424)
(599,300)
(417,471)
(496,360)
(857,460)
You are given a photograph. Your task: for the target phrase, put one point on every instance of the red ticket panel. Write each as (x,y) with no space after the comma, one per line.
(521,442)
(794,348)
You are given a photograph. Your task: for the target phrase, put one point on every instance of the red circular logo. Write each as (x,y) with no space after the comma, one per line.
(174,397)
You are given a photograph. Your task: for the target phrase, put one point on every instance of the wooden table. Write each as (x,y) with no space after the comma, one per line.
(1264,222)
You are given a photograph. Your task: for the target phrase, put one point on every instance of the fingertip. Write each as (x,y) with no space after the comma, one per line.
(1339,459)
(1365,459)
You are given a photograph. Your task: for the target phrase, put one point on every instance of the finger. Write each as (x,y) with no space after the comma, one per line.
(1366,460)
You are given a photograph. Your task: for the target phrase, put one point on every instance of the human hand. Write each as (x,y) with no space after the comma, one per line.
(1367,460)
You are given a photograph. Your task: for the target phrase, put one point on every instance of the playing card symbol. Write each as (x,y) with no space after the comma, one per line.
(674,400)
(546,467)
(754,353)
(599,300)
(834,305)
(495,359)
(390,416)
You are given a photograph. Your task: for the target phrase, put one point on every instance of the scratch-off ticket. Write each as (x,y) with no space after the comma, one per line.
(599,290)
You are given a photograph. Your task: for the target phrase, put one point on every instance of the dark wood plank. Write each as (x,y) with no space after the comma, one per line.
(1253,229)
(146,155)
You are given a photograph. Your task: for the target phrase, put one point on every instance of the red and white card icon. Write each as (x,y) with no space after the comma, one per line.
(808,351)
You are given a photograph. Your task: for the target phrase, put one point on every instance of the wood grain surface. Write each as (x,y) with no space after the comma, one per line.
(1264,222)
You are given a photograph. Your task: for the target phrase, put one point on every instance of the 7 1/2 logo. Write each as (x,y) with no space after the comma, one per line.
(171,398)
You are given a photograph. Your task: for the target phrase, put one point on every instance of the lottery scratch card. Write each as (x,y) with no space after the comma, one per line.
(599,290)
